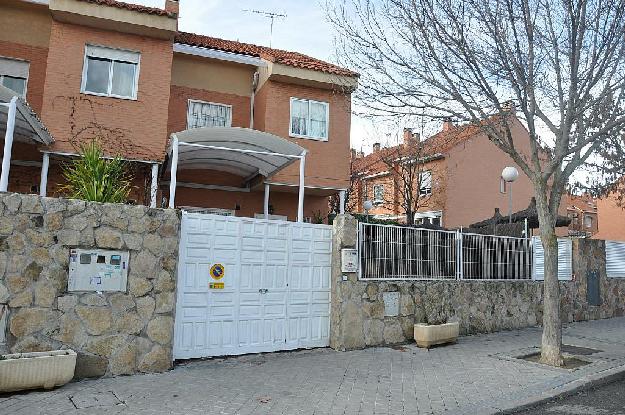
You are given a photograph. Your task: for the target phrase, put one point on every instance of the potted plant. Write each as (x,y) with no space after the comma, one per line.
(436,331)
(35,370)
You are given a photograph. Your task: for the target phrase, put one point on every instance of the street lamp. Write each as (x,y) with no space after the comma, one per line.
(509,175)
(367,205)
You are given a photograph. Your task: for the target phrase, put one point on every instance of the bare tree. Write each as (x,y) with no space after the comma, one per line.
(561,63)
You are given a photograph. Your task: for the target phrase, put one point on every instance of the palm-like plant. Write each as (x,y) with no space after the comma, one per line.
(94,178)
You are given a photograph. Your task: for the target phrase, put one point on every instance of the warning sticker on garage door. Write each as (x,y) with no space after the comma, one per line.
(217,272)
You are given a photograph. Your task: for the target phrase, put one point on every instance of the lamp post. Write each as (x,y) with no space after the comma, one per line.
(509,175)
(367,205)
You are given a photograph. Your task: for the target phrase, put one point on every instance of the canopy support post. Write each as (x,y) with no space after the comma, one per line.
(266,202)
(174,169)
(342,202)
(8,145)
(154,185)
(43,182)
(300,199)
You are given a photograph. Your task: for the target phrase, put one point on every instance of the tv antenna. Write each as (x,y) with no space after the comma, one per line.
(269,15)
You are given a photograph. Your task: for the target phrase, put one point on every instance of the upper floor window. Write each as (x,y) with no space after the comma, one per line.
(425,183)
(378,194)
(110,72)
(309,119)
(588,221)
(14,74)
(208,114)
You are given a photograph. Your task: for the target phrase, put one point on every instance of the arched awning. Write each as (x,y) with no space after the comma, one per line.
(239,151)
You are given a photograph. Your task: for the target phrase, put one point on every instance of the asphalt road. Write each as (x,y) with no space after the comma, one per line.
(605,400)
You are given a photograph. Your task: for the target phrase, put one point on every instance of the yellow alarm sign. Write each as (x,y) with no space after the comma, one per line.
(217,272)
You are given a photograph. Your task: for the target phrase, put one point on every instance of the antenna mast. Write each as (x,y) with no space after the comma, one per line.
(270,15)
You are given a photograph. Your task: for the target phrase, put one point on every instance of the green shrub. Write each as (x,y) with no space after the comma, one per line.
(94,178)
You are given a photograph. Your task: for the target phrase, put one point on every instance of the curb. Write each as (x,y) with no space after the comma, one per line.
(585,383)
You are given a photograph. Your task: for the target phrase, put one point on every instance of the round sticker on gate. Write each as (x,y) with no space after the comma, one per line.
(217,271)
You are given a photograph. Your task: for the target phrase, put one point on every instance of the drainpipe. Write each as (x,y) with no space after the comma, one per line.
(255,80)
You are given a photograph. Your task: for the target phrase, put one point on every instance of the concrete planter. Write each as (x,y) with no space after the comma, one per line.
(429,335)
(36,370)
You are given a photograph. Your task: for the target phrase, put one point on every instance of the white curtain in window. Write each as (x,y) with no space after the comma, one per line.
(299,117)
(425,182)
(318,122)
(123,79)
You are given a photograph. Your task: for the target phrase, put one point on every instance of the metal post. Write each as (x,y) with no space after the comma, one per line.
(8,145)
(342,202)
(43,182)
(300,201)
(174,170)
(266,202)
(154,185)
(510,204)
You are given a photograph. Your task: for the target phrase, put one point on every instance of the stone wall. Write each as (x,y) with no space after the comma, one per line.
(358,315)
(114,333)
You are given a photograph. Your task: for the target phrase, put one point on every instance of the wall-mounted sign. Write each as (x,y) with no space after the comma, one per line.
(216,285)
(349,260)
(97,270)
(217,272)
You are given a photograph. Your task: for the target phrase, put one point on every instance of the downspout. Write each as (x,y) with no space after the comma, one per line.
(255,80)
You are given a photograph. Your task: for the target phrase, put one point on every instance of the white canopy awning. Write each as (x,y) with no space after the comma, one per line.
(241,151)
(28,127)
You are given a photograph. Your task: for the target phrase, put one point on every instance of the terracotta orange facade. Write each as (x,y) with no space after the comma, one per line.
(254,85)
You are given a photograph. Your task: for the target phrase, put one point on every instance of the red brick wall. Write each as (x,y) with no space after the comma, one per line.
(37,57)
(135,128)
(327,163)
(179,96)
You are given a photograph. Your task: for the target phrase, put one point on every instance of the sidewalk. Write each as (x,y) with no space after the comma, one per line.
(477,375)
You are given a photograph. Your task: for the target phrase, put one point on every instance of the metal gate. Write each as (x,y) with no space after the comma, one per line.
(250,285)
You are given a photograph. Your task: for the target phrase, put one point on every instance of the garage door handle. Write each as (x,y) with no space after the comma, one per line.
(263,291)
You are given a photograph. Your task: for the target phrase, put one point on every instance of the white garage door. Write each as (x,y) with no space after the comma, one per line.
(274,293)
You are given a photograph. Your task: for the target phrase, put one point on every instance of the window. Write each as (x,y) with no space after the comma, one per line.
(309,119)
(588,221)
(110,72)
(425,183)
(431,217)
(378,193)
(14,75)
(208,114)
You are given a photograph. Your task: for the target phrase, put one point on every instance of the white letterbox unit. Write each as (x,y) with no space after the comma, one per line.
(97,270)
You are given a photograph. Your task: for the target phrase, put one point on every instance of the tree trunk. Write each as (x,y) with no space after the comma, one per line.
(551,349)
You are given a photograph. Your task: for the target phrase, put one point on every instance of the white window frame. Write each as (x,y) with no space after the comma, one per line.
(199,101)
(2,75)
(375,200)
(308,136)
(135,88)
(426,193)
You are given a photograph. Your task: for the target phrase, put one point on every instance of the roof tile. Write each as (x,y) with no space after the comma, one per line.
(293,59)
(133,7)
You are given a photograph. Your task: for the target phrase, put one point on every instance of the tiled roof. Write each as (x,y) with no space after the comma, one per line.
(293,59)
(437,144)
(132,7)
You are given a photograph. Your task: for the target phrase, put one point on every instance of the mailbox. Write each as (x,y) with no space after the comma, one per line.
(97,270)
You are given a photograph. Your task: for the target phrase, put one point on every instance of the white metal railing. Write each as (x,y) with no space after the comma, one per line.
(389,252)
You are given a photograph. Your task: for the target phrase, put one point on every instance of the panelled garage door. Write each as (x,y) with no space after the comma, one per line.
(250,285)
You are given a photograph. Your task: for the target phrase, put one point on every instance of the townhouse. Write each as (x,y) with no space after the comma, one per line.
(205,123)
(457,182)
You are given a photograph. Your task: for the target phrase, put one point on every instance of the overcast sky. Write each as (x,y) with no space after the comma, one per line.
(304,30)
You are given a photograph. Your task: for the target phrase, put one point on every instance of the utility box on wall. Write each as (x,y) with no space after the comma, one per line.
(97,270)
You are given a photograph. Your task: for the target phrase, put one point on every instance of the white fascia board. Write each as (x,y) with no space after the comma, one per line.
(373,176)
(218,54)
(46,2)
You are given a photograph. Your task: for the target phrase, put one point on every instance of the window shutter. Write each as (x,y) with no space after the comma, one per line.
(565,259)
(112,54)
(615,259)
(13,67)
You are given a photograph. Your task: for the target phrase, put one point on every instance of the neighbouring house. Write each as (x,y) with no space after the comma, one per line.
(458,180)
(610,218)
(582,211)
(207,124)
